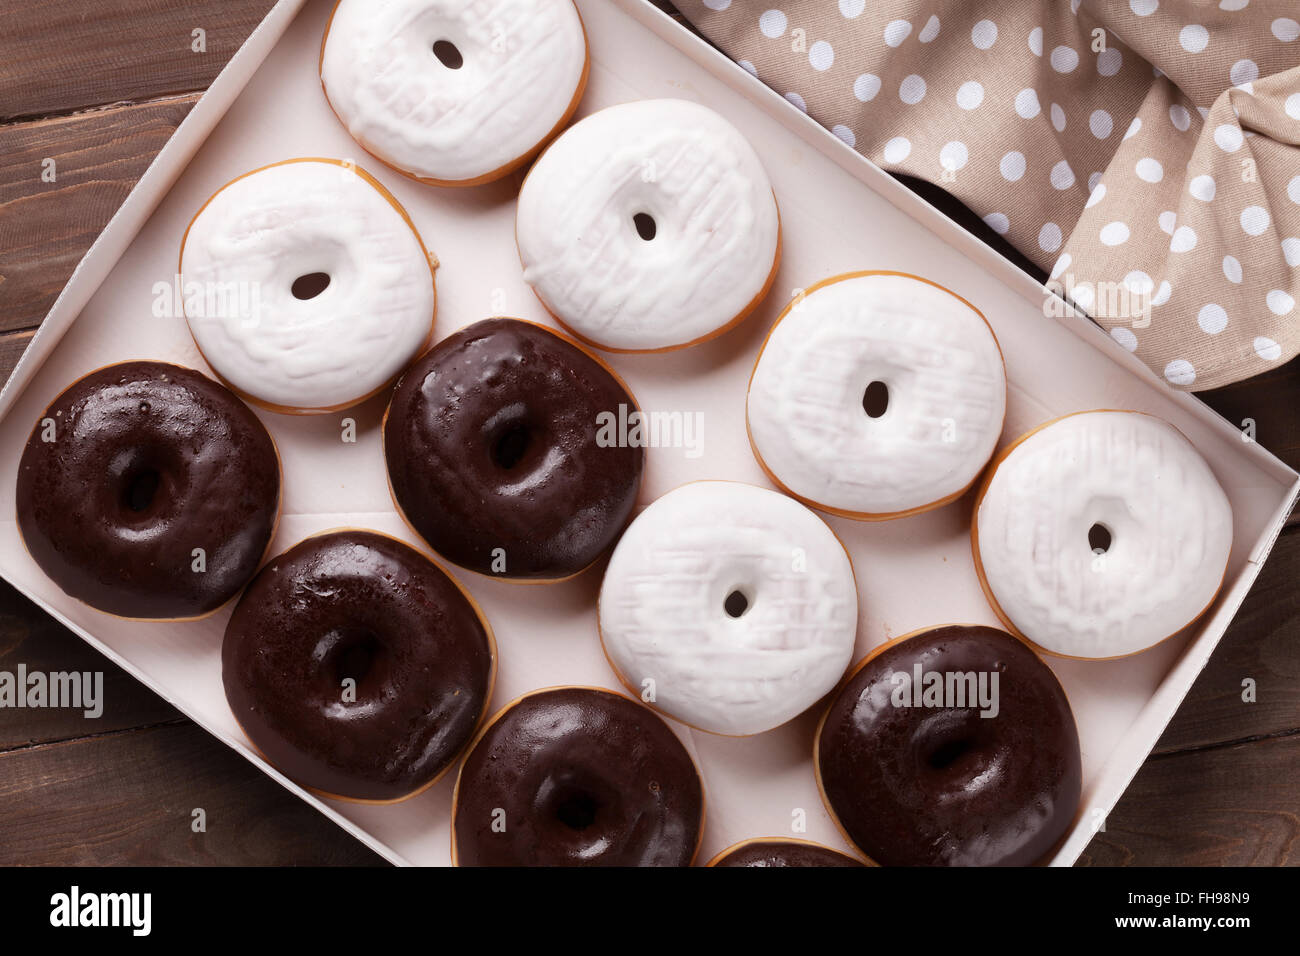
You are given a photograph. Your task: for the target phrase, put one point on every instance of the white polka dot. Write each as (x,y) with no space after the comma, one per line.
(1286,29)
(1293,190)
(1124,337)
(1027,104)
(1293,106)
(984,34)
(896,31)
(721,4)
(1139,283)
(1228,138)
(1267,349)
(1058,118)
(821,55)
(1193,38)
(1101,124)
(1180,372)
(1204,112)
(797,100)
(1149,170)
(1232,269)
(1062,264)
(1012,166)
(1097,194)
(851,9)
(1180,117)
(954,155)
(772,24)
(930,30)
(970,95)
(1083,295)
(1049,237)
(1203,188)
(844,133)
(1168,219)
(866,86)
(1064,59)
(1036,41)
(1184,239)
(1291,250)
(1244,87)
(912,90)
(1144,8)
(1109,61)
(1212,319)
(1280,302)
(747,67)
(1133,128)
(1062,175)
(1254,220)
(1243,71)
(1162,294)
(898,149)
(1114,234)
(998,222)
(1233,5)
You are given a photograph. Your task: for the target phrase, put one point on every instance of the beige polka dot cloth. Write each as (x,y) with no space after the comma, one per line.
(1144,152)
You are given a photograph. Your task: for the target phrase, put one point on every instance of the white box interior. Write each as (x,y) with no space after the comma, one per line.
(839,214)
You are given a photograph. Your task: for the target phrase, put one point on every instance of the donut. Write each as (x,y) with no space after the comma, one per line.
(495,455)
(454,92)
(782,852)
(1100,534)
(649,226)
(577,776)
(148,491)
(952,746)
(730,608)
(307,287)
(357,667)
(877,395)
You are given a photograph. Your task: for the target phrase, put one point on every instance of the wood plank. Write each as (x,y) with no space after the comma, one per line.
(128,799)
(1231,806)
(46,227)
(30,637)
(59,57)
(12,346)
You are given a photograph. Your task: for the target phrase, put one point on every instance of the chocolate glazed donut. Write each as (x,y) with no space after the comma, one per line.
(148,491)
(915,780)
(362,606)
(781,852)
(491,441)
(577,776)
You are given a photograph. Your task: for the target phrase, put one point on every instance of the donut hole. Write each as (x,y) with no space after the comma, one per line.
(354,653)
(448,55)
(646,227)
(736,603)
(307,287)
(1099,538)
(140,488)
(948,753)
(510,446)
(875,400)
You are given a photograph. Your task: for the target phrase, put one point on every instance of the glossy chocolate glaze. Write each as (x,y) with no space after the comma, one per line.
(355,604)
(585,777)
(150,461)
(776,853)
(935,786)
(491,443)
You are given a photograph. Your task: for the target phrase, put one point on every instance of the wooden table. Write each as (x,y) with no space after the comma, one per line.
(98,86)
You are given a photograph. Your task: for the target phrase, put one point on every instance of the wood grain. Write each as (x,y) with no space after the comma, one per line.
(58,57)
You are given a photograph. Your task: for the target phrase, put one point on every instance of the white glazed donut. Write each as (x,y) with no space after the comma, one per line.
(260,239)
(649,226)
(390,73)
(927,352)
(669,612)
(1101,534)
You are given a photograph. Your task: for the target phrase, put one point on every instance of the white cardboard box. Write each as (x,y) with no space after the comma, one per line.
(840,213)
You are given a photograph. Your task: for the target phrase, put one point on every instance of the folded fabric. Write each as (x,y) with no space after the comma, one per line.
(1144,152)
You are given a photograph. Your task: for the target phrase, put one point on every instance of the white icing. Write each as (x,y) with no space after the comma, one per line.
(946,389)
(716,222)
(663,615)
(1170,525)
(261,233)
(523,61)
